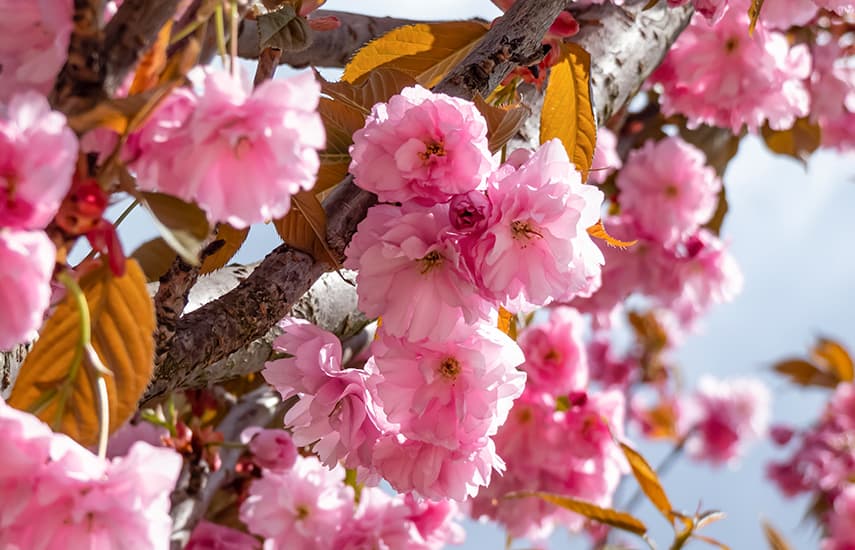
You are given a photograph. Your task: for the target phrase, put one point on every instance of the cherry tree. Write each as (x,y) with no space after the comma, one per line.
(473,217)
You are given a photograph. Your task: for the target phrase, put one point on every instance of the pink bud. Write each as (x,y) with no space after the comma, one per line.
(273,449)
(469,211)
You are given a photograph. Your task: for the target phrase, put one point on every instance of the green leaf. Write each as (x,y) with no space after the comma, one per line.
(567,113)
(122,319)
(182,225)
(426,51)
(649,481)
(283,29)
(620,520)
(502,122)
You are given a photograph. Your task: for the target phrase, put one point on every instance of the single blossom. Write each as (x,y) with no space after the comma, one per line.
(27,261)
(421,145)
(38,153)
(668,189)
(719,75)
(841,522)
(271,449)
(555,357)
(210,536)
(723,417)
(240,156)
(33,44)
(536,247)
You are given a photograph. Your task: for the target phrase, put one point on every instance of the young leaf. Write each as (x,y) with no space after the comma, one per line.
(621,520)
(567,112)
(183,225)
(377,87)
(232,239)
(798,142)
(775,539)
(803,373)
(152,63)
(340,120)
(282,29)
(649,481)
(598,230)
(754,15)
(507,322)
(426,51)
(155,257)
(502,122)
(122,317)
(120,114)
(305,227)
(711,541)
(835,357)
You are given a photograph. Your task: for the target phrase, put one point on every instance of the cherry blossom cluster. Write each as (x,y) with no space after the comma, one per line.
(309,507)
(665,192)
(239,155)
(719,74)
(560,437)
(56,494)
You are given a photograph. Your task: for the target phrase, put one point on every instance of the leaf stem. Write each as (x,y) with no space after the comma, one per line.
(220,27)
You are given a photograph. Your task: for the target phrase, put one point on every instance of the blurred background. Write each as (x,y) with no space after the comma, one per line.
(791,229)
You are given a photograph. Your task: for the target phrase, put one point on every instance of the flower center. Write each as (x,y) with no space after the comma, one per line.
(449,368)
(302,511)
(552,357)
(431,260)
(432,149)
(731,44)
(524,231)
(242,146)
(671,191)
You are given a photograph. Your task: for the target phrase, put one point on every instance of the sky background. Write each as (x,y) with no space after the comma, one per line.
(791,231)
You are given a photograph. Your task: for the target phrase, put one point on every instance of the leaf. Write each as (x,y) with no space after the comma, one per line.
(798,142)
(774,538)
(754,15)
(123,321)
(152,63)
(649,481)
(340,122)
(155,257)
(282,29)
(426,51)
(305,227)
(717,220)
(598,231)
(567,113)
(711,541)
(502,122)
(621,520)
(232,239)
(804,373)
(119,113)
(835,357)
(329,175)
(182,225)
(377,87)
(507,322)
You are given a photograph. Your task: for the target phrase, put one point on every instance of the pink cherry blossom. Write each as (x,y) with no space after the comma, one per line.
(38,153)
(723,417)
(832,86)
(555,357)
(606,159)
(410,252)
(33,44)
(536,248)
(783,14)
(66,497)
(211,536)
(436,521)
(27,260)
(841,522)
(421,145)
(469,211)
(434,471)
(271,449)
(840,7)
(124,438)
(450,393)
(668,189)
(336,412)
(301,508)
(380,521)
(719,75)
(240,156)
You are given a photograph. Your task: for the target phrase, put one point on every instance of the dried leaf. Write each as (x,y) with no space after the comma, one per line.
(621,520)
(232,239)
(502,122)
(122,317)
(152,63)
(798,142)
(567,113)
(649,481)
(426,51)
(774,538)
(377,87)
(155,257)
(182,225)
(598,230)
(835,357)
(282,29)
